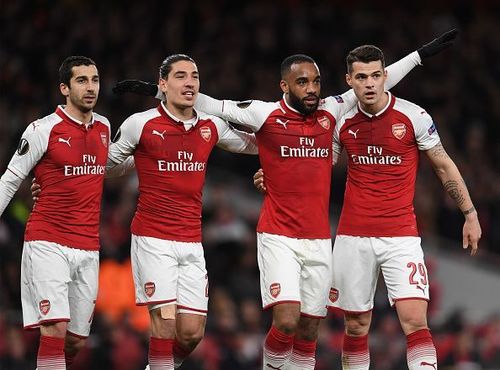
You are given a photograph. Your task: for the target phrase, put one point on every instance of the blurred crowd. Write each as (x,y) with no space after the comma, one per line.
(238,47)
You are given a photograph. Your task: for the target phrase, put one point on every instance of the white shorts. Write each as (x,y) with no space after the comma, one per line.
(295,270)
(357,262)
(58,283)
(169,272)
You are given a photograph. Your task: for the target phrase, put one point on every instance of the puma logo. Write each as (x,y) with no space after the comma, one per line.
(354,133)
(433,364)
(282,123)
(66,141)
(160,134)
(272,367)
(422,289)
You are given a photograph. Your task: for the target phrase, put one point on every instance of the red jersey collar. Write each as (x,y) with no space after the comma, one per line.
(388,106)
(65,116)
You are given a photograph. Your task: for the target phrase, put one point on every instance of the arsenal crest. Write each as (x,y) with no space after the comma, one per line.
(206,133)
(149,288)
(44,306)
(334,295)
(324,122)
(399,130)
(104,139)
(275,289)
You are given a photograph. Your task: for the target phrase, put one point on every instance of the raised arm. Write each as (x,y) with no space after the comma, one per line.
(398,70)
(455,186)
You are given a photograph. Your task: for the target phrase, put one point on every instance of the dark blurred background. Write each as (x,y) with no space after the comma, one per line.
(238,47)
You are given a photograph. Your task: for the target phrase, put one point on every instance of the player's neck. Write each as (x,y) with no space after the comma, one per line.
(182,113)
(73,111)
(377,106)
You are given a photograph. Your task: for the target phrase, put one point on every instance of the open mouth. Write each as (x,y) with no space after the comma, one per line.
(188,94)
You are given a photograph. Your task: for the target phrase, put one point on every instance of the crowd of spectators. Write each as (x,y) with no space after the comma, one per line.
(238,47)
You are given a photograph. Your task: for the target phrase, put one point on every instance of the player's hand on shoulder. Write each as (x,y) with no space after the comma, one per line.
(471,232)
(136,87)
(438,44)
(258,181)
(35,189)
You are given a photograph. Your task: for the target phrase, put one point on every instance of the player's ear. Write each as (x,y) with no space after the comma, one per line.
(284,86)
(64,89)
(348,79)
(162,83)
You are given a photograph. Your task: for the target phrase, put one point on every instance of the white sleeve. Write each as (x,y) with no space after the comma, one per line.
(336,145)
(339,105)
(9,183)
(31,148)
(397,71)
(124,143)
(251,113)
(122,169)
(234,140)
(426,133)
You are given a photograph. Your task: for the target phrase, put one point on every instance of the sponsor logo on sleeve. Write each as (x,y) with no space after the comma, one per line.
(206,133)
(44,306)
(432,129)
(338,98)
(23,147)
(399,130)
(324,122)
(334,295)
(275,289)
(149,288)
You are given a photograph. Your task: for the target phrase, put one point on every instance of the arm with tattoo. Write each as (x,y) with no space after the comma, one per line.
(455,186)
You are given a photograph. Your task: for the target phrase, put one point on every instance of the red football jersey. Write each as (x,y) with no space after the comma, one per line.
(383,156)
(69,161)
(171,164)
(295,152)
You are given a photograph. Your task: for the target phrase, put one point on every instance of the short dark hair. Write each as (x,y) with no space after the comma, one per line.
(364,54)
(286,65)
(65,72)
(166,65)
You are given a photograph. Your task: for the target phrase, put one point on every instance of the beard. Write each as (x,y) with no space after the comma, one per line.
(81,105)
(300,105)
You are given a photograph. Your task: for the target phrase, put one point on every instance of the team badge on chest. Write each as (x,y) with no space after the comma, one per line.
(324,122)
(206,133)
(104,139)
(399,130)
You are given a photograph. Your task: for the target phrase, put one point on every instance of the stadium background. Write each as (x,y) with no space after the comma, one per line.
(238,47)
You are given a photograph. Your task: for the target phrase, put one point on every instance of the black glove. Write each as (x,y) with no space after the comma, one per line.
(438,44)
(137,87)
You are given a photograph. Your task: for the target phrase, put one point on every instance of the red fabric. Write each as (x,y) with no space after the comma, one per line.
(355,344)
(51,353)
(278,341)
(422,336)
(305,347)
